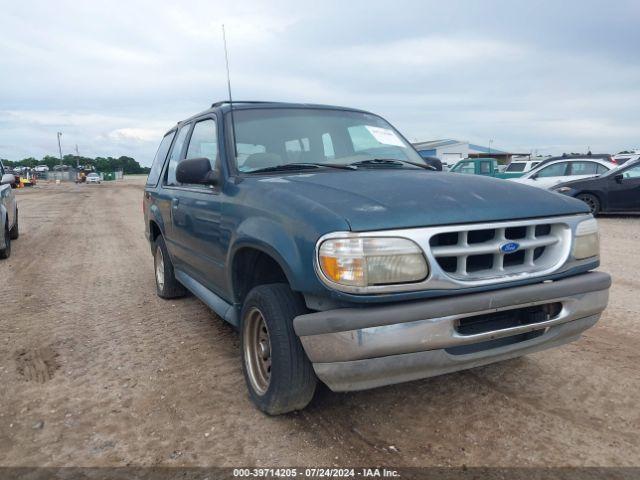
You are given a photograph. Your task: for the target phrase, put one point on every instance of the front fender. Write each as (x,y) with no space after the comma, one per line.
(269,237)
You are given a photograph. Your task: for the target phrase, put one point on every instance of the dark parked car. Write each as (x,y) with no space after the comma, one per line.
(321,235)
(617,191)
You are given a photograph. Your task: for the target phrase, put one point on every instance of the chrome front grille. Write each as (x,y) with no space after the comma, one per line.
(476,252)
(469,255)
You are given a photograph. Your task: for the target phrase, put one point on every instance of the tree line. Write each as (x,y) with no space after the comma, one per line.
(101,164)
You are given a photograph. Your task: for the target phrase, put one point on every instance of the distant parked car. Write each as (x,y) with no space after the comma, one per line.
(546,175)
(622,158)
(93,178)
(8,213)
(487,167)
(517,168)
(41,168)
(618,190)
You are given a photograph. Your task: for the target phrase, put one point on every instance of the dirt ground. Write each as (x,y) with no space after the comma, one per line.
(95,370)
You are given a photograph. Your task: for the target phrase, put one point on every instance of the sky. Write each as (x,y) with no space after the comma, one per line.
(533,76)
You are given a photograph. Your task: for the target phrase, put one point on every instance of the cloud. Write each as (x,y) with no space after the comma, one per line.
(426,52)
(140,135)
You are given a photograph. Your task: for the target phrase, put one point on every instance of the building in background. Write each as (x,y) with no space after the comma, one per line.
(449,151)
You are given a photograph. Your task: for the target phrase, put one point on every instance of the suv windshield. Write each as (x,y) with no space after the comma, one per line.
(268,138)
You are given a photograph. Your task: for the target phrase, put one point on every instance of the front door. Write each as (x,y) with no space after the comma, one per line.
(624,194)
(197,214)
(552,175)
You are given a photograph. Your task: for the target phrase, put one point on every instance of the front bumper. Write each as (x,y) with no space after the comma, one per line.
(360,348)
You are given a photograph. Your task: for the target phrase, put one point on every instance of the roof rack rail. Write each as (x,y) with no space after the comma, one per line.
(223,102)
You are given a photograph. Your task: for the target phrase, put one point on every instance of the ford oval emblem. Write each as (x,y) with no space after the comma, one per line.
(509,247)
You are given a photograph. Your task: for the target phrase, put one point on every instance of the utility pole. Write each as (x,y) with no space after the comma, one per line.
(60,147)
(77,158)
(490,142)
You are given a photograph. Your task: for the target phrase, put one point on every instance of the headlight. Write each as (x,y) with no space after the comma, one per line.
(367,261)
(562,189)
(587,242)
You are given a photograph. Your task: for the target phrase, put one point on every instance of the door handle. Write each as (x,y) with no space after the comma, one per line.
(175,202)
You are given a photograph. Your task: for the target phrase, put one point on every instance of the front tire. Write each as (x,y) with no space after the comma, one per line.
(166,284)
(5,251)
(14,233)
(278,374)
(592,201)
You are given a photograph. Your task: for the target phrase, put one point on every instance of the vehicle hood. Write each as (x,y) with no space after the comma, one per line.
(402,198)
(581,182)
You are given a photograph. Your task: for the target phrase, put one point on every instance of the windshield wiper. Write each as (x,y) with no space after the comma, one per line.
(389,161)
(302,166)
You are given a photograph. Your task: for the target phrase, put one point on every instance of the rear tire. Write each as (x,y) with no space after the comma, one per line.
(279,376)
(166,284)
(592,201)
(5,251)
(14,233)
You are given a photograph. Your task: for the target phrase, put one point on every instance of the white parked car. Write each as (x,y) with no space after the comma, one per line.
(558,171)
(521,166)
(93,178)
(622,158)
(41,168)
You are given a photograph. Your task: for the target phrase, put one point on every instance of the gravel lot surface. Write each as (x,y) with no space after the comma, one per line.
(95,370)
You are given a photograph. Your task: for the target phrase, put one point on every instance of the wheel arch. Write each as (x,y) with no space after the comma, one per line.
(4,217)
(154,230)
(253,265)
(268,237)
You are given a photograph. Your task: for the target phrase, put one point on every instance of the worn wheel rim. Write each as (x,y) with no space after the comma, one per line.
(590,202)
(159,268)
(257,351)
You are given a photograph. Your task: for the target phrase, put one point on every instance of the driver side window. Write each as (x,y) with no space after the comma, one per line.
(204,142)
(633,172)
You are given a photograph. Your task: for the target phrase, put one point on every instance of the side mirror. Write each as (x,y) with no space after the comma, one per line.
(196,171)
(619,177)
(7,178)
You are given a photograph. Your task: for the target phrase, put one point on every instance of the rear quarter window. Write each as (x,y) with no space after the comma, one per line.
(158,161)
(584,168)
(485,168)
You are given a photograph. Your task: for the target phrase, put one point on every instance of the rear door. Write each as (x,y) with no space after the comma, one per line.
(166,195)
(197,213)
(152,196)
(624,194)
